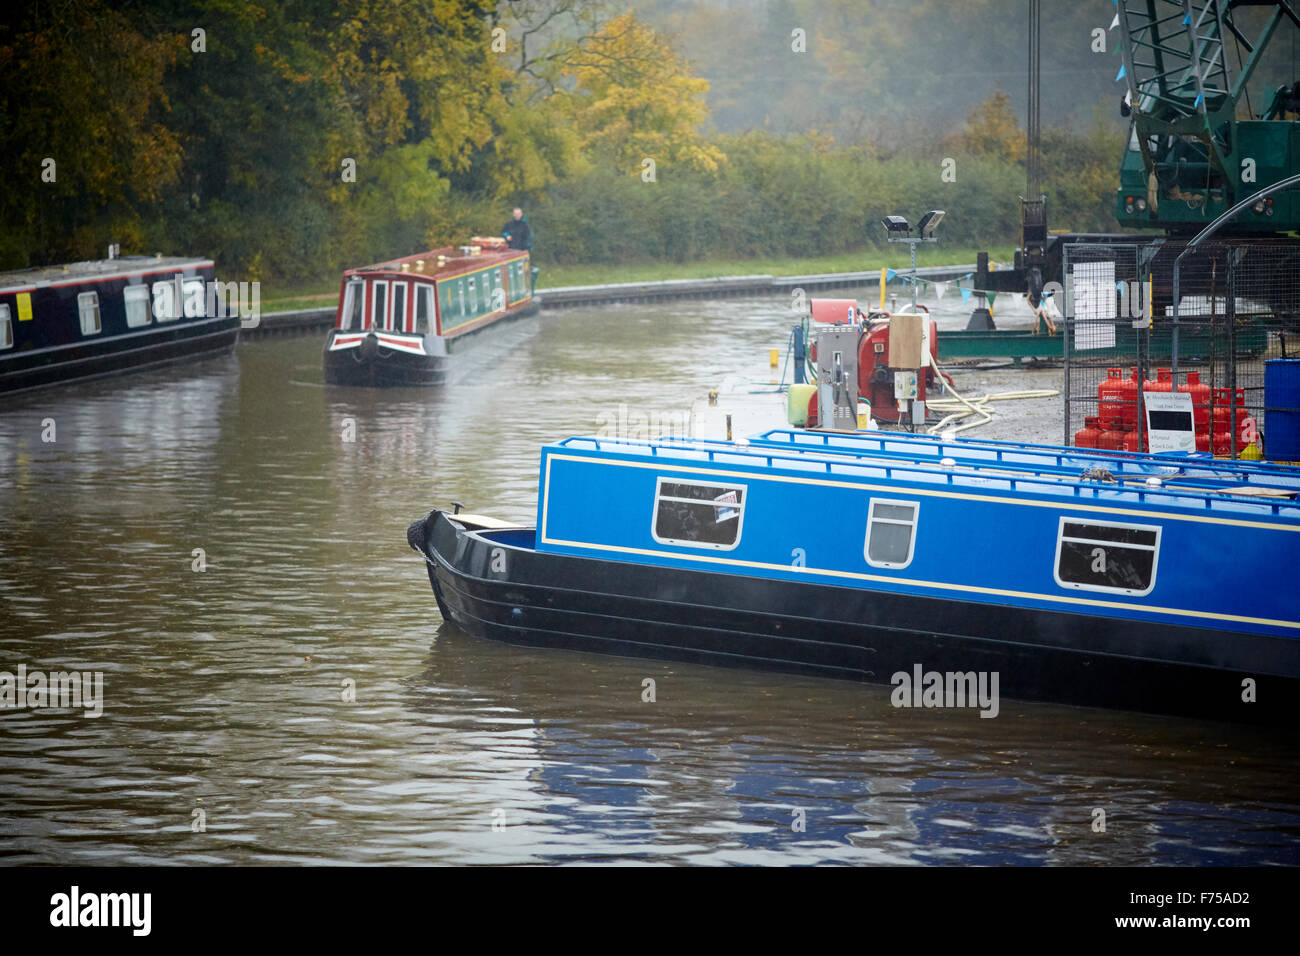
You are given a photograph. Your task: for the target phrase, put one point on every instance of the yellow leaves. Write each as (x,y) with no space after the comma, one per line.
(633,98)
(992,130)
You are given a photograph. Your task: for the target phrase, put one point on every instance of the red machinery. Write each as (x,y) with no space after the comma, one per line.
(875,377)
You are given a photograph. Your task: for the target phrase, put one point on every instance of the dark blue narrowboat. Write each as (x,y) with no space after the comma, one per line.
(399,322)
(83,320)
(1165,584)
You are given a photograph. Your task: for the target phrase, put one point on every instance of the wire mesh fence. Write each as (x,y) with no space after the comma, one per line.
(1238,306)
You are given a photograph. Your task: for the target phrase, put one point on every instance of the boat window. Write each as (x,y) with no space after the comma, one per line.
(194,306)
(137,305)
(423,308)
(379,306)
(1102,556)
(891,533)
(473,295)
(354,295)
(399,306)
(698,515)
(164,308)
(6,328)
(88,309)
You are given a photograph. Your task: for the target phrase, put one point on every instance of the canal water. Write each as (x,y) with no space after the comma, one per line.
(226,544)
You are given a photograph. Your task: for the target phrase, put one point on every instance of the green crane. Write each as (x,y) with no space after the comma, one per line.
(1194,148)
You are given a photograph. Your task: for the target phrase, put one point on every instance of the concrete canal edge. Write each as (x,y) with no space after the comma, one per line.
(733,286)
(306,320)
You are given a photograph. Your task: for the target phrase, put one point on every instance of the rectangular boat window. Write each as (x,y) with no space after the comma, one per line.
(88,309)
(399,306)
(1102,556)
(379,306)
(698,515)
(423,309)
(354,298)
(6,328)
(891,533)
(136,298)
(165,306)
(193,290)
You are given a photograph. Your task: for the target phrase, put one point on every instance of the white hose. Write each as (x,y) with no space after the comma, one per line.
(977,406)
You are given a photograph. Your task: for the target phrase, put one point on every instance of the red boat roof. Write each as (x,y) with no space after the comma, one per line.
(446,260)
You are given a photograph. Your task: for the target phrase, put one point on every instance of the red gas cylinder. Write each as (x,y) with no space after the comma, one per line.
(1110,398)
(1219,426)
(1088,435)
(1222,445)
(1129,402)
(1131,440)
(1111,439)
(1164,381)
(1221,418)
(1200,400)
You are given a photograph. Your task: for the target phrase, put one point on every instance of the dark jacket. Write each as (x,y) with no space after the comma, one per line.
(518,234)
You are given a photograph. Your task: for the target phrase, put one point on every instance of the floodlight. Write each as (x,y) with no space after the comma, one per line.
(929,222)
(894,224)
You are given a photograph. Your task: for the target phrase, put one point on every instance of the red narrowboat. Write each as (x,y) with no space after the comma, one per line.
(399,321)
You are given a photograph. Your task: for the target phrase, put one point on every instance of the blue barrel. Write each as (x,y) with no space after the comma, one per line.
(1282,409)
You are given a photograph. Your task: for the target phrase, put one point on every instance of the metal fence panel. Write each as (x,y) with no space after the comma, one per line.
(1238,305)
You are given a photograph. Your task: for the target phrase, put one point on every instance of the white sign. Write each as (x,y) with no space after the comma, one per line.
(1093,287)
(1169,421)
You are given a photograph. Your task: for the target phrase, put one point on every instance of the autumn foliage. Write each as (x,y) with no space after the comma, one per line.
(290,139)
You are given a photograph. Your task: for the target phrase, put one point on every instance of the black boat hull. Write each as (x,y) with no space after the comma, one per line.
(118,355)
(371,365)
(495,587)
(374,365)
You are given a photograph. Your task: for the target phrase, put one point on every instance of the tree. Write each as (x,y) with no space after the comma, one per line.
(993,131)
(633,98)
(83,88)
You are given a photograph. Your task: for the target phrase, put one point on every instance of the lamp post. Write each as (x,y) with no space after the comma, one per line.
(897,230)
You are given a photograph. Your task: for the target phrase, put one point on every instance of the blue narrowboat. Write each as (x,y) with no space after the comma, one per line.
(399,322)
(82,320)
(1155,583)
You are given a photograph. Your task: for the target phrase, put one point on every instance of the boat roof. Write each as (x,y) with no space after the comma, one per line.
(1178,481)
(96,270)
(426,263)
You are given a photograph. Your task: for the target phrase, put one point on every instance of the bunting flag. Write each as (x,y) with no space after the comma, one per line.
(991,296)
(965,296)
(940,288)
(1119,76)
(890,274)
(1114,23)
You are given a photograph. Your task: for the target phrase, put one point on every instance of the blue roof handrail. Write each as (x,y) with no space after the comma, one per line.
(896,467)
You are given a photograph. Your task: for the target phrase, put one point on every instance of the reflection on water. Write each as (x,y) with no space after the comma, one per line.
(225,687)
